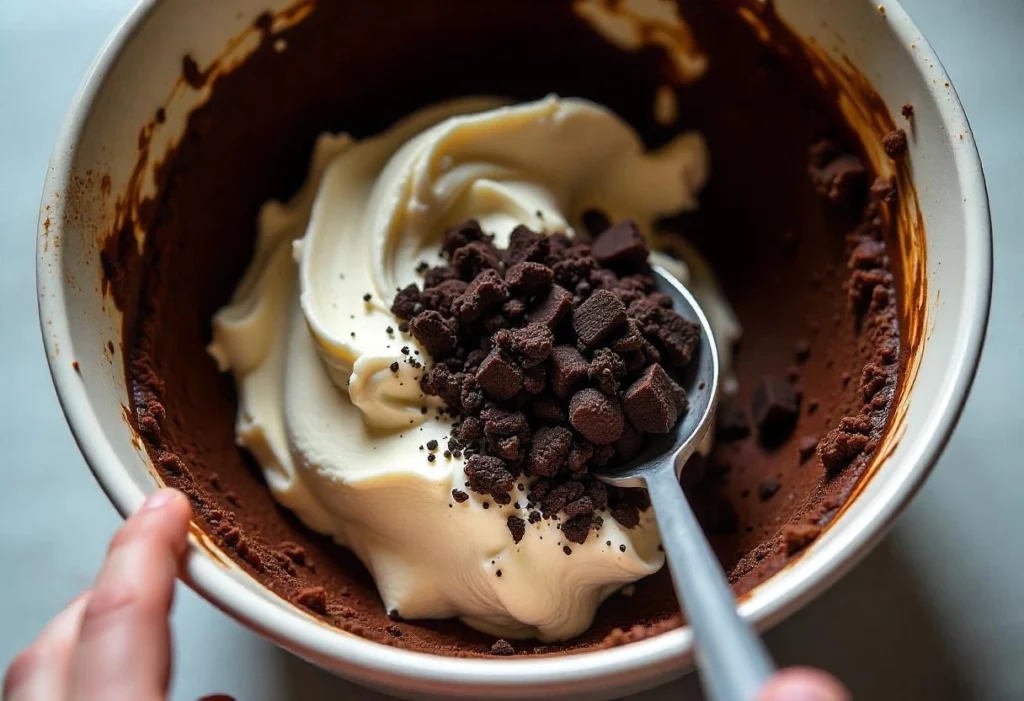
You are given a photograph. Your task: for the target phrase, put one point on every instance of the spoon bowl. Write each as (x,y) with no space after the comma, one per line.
(701,385)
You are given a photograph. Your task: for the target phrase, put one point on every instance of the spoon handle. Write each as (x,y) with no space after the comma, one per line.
(733,661)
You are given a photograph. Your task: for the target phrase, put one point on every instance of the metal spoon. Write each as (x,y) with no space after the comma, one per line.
(732,660)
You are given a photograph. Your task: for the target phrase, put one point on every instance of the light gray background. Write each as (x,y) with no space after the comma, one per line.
(936,612)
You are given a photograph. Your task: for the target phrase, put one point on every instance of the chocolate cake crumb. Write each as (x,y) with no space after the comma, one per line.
(567,550)
(517,527)
(488,475)
(502,648)
(459,496)
(797,536)
(895,143)
(434,332)
(907,110)
(550,448)
(313,598)
(394,631)
(844,443)
(537,396)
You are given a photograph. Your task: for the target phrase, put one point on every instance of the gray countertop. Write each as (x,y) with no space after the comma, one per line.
(935,612)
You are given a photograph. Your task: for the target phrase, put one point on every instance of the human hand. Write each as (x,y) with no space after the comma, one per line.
(803,684)
(113,641)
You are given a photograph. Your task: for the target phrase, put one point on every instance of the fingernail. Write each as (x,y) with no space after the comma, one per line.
(158,500)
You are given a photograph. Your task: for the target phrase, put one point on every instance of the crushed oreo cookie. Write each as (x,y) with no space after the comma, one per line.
(557,355)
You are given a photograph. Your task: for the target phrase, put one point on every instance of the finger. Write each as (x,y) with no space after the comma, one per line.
(124,646)
(40,673)
(803,684)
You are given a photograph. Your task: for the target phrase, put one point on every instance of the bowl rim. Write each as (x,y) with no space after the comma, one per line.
(820,567)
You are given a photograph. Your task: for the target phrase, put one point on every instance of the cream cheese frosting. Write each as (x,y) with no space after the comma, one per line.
(309,337)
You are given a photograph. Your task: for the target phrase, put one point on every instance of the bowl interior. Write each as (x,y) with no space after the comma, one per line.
(94,176)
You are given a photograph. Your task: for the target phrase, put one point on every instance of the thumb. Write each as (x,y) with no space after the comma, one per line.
(124,646)
(803,684)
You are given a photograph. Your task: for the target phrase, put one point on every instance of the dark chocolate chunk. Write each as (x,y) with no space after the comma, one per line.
(527,277)
(598,317)
(569,370)
(774,408)
(551,308)
(650,402)
(621,247)
(499,375)
(597,416)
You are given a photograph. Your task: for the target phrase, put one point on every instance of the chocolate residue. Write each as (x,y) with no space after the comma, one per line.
(199,237)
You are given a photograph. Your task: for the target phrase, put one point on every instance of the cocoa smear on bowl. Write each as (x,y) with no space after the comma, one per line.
(782,221)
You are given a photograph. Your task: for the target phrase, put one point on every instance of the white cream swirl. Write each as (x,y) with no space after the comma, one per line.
(342,437)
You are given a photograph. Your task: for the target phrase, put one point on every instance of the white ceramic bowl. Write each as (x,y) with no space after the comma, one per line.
(139,69)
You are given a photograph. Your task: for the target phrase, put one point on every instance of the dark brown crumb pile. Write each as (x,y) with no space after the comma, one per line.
(555,354)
